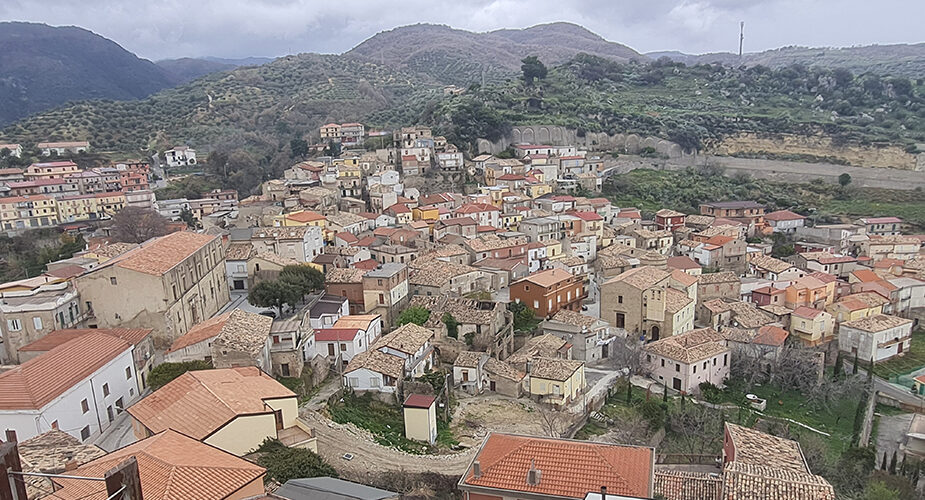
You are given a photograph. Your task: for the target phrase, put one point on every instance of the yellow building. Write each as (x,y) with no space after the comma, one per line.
(536,190)
(89,206)
(300,218)
(232,409)
(857,306)
(27,212)
(421,418)
(427,213)
(511,221)
(554,250)
(557,381)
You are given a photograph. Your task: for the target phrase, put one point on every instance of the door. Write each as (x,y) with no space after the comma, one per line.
(330,349)
(285,369)
(621,320)
(899,348)
(239,284)
(676,384)
(655,333)
(604,350)
(109,413)
(279,419)
(491,386)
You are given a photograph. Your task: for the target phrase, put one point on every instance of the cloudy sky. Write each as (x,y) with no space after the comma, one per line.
(239,28)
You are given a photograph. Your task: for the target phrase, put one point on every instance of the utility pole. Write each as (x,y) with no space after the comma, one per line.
(741,37)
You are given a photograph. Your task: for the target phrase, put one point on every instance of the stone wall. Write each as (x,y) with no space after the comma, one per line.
(875,155)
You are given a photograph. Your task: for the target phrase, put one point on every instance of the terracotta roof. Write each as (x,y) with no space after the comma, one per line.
(335,334)
(575,318)
(503,370)
(35,383)
(641,277)
(344,275)
(239,251)
(548,277)
(689,347)
(667,212)
(305,216)
(685,279)
(427,273)
(876,323)
(675,300)
(881,220)
(408,338)
(59,337)
(49,452)
(473,208)
(771,335)
(827,258)
(587,216)
(782,215)
(199,402)
(759,448)
(769,263)
(716,278)
(768,482)
(684,485)
(358,321)
(162,254)
(568,468)
(468,359)
(171,466)
(806,312)
(245,332)
(379,362)
(276,259)
(419,401)
(682,262)
(866,275)
(199,332)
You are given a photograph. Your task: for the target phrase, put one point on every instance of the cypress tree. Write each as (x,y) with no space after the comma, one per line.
(883,463)
(893,463)
(870,370)
(664,393)
(629,390)
(858,421)
(854,366)
(839,366)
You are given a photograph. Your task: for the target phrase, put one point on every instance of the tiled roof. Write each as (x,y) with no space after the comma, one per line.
(716,278)
(865,275)
(876,323)
(199,402)
(335,334)
(675,300)
(806,312)
(503,370)
(827,258)
(682,277)
(468,359)
(682,262)
(769,263)
(305,216)
(747,315)
(379,362)
(768,482)
(59,337)
(758,448)
(771,335)
(239,251)
(667,212)
(466,311)
(493,242)
(170,466)
(200,331)
(419,401)
(641,277)
(35,383)
(162,254)
(357,321)
(49,452)
(429,274)
(554,368)
(548,277)
(276,259)
(408,338)
(689,347)
(281,233)
(567,468)
(245,332)
(575,318)
(782,215)
(344,275)
(684,485)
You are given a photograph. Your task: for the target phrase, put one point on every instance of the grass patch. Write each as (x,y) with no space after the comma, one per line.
(912,360)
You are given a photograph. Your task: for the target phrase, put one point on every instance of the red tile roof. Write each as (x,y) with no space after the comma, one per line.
(806,312)
(200,331)
(60,337)
(568,468)
(347,237)
(336,334)
(866,275)
(771,335)
(419,401)
(472,208)
(200,402)
(35,383)
(511,177)
(171,466)
(368,264)
(782,215)
(305,216)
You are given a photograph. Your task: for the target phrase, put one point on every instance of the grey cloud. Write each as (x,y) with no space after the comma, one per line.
(237,28)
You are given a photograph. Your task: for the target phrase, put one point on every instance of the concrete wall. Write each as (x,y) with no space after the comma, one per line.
(244,434)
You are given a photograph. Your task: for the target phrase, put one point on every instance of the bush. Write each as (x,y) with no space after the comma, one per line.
(284,463)
(654,412)
(163,373)
(711,393)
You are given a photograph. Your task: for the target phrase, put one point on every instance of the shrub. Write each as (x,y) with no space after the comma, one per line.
(710,392)
(163,373)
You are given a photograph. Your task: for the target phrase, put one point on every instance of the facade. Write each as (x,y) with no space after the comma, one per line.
(547,292)
(420,414)
(79,387)
(591,338)
(469,371)
(556,381)
(28,212)
(33,308)
(685,361)
(639,301)
(183,278)
(180,156)
(385,290)
(62,148)
(811,326)
(878,338)
(785,221)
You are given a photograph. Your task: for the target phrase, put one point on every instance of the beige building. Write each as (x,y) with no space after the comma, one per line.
(420,413)
(645,302)
(168,284)
(685,361)
(232,409)
(34,307)
(556,381)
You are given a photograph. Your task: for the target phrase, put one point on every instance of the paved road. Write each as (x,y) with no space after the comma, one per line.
(334,440)
(118,435)
(902,394)
(891,432)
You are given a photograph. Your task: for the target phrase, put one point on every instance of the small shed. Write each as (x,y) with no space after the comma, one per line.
(421,418)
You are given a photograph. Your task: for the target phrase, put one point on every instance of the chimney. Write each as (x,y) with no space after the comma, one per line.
(603,493)
(476,470)
(534,475)
(11,436)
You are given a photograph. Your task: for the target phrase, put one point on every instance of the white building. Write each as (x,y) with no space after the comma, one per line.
(879,337)
(406,352)
(180,156)
(683,362)
(450,160)
(784,221)
(78,387)
(14,149)
(60,148)
(327,310)
(469,371)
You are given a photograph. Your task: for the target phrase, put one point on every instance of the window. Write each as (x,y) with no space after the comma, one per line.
(353,381)
(284,368)
(85,433)
(695,369)
(128,373)
(105,390)
(663,363)
(84,406)
(619,299)
(113,281)
(374,381)
(677,367)
(536,304)
(725,359)
(37,322)
(14,325)
(343,347)
(54,425)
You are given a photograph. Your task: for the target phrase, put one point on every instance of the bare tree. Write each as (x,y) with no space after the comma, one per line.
(699,429)
(554,422)
(627,353)
(136,225)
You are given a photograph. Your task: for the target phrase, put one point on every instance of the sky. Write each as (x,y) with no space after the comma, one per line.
(242,28)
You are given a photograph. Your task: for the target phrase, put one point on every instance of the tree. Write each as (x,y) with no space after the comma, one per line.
(854,366)
(893,463)
(298,148)
(304,278)
(186,215)
(165,372)
(284,463)
(524,317)
(844,179)
(333,149)
(533,69)
(884,462)
(858,421)
(414,314)
(137,225)
(452,326)
(839,369)
(274,293)
(878,490)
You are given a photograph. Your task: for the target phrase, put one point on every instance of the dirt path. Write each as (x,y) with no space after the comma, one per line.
(369,457)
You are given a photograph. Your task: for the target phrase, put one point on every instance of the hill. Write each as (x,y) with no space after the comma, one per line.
(461,57)
(896,60)
(187,69)
(43,66)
